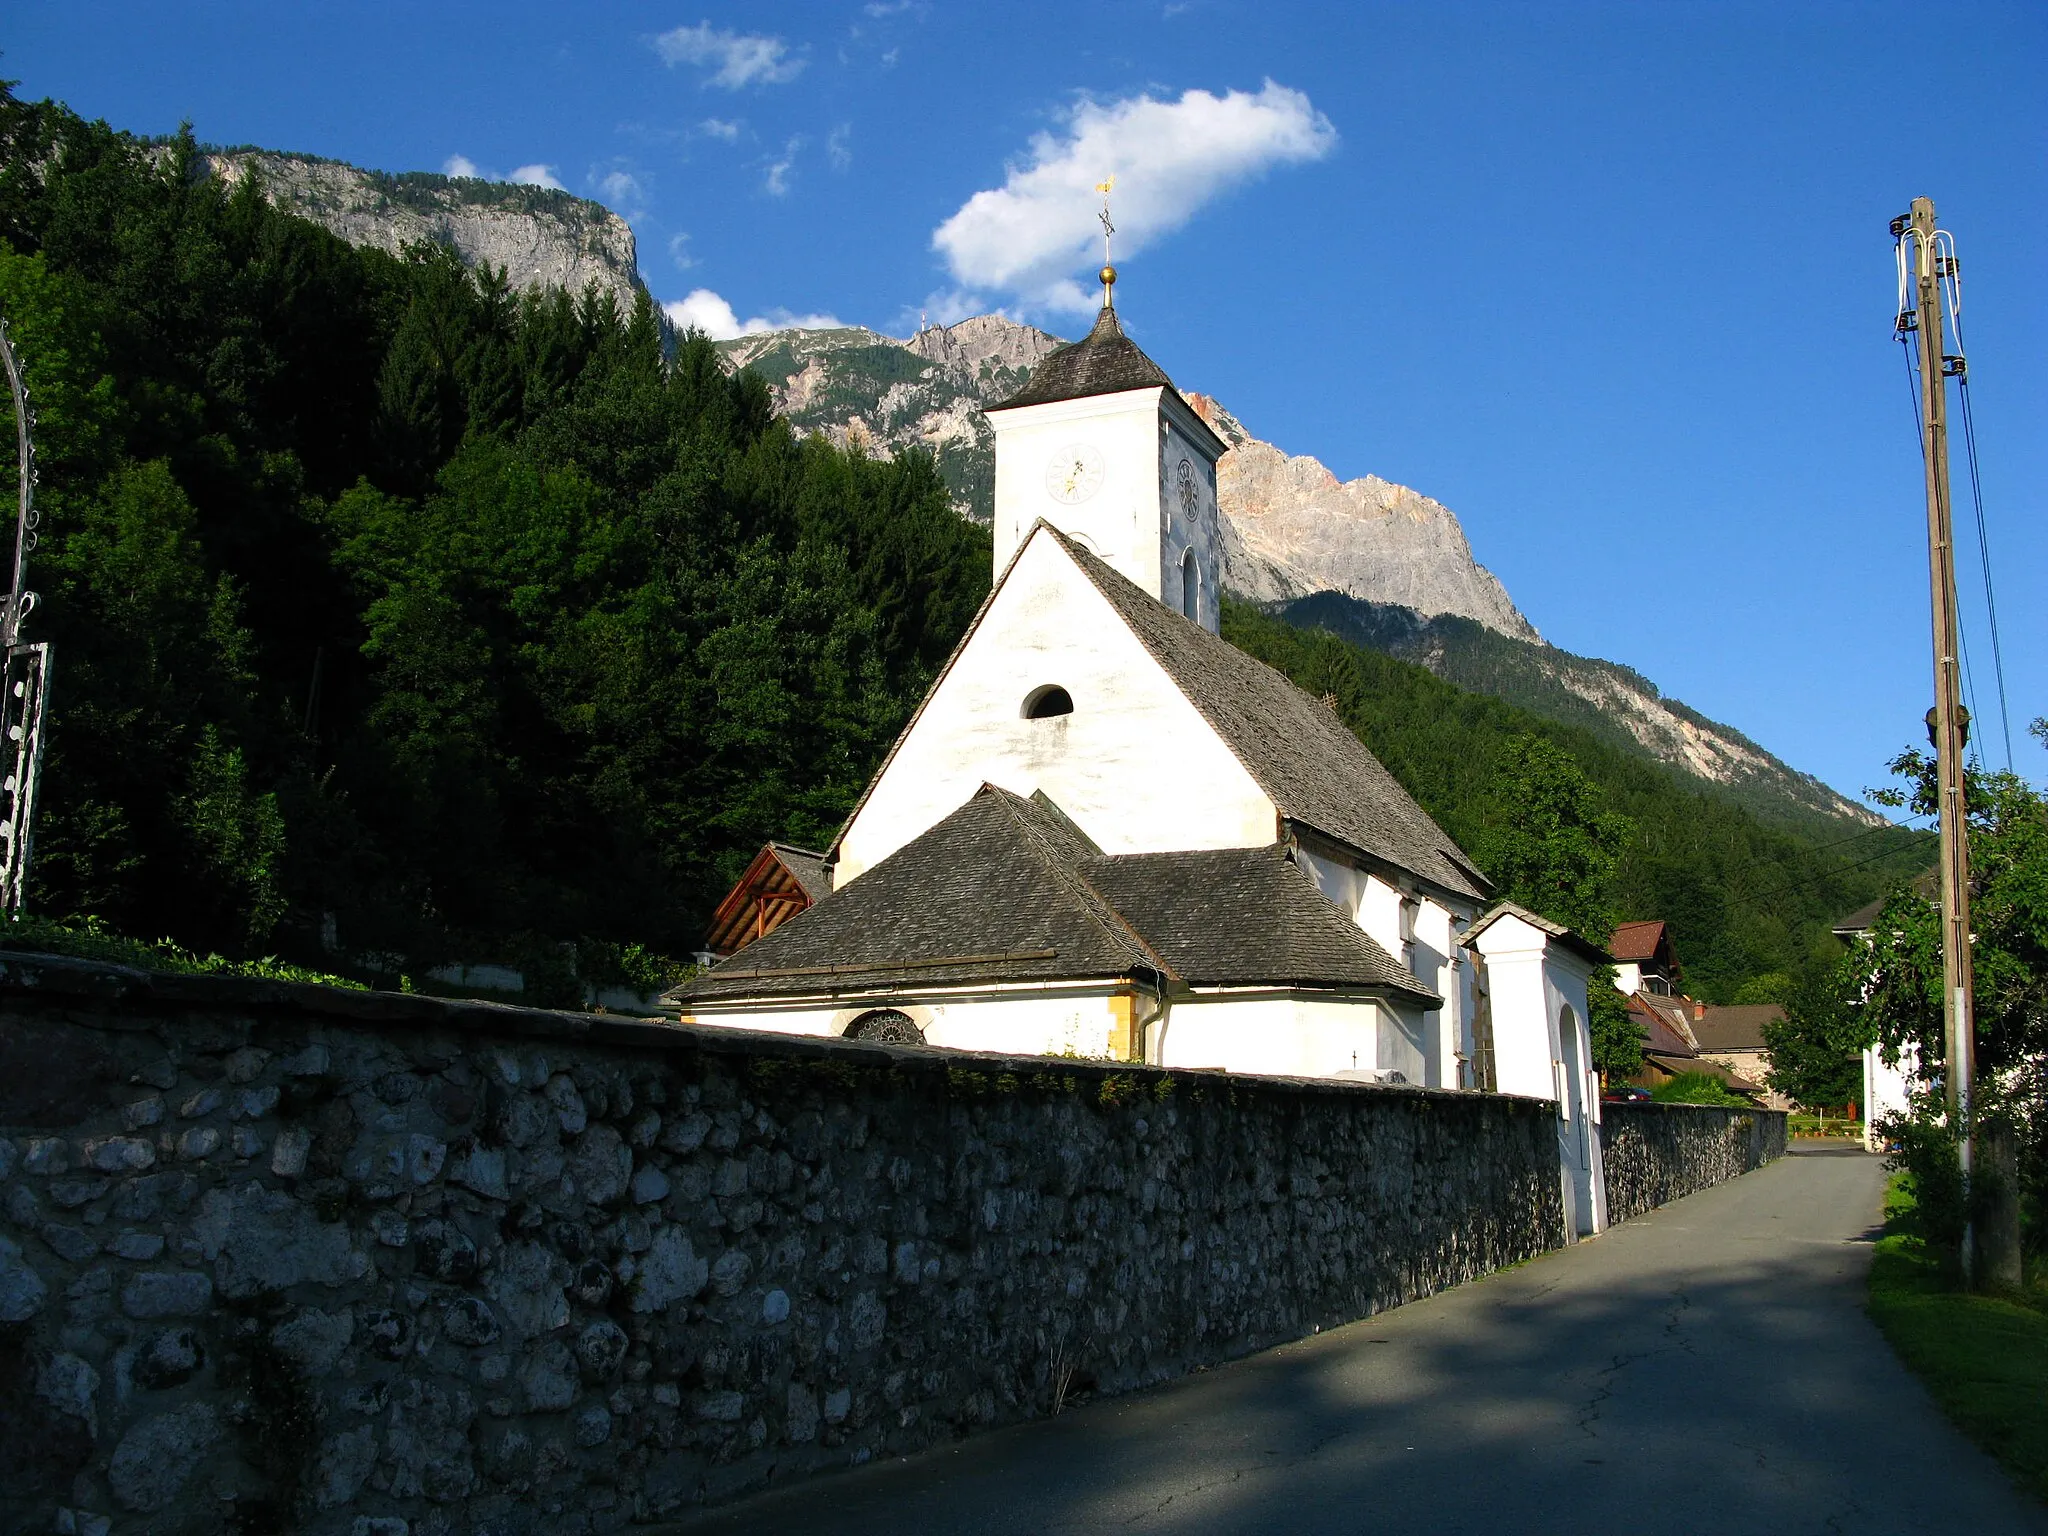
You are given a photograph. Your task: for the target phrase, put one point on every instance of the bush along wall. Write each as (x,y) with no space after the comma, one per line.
(277,1256)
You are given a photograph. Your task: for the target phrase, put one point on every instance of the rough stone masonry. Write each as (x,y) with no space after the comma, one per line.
(276,1257)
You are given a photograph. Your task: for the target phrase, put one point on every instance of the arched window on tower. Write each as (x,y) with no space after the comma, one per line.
(1190,586)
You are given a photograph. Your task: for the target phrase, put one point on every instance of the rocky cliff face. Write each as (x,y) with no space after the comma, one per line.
(1292,528)
(540,237)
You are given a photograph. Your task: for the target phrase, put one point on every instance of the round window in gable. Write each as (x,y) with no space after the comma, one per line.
(885,1026)
(1043,703)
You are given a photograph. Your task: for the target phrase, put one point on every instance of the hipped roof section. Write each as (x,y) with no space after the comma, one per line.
(1008,889)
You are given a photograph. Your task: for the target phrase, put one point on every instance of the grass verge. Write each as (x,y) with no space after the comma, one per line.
(1984,1358)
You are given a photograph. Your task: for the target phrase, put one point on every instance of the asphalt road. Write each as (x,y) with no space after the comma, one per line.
(1707,1368)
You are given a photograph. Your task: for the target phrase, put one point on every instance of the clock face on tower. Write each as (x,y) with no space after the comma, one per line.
(1073,474)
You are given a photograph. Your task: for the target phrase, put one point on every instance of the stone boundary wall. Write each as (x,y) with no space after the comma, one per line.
(278,1257)
(1655,1153)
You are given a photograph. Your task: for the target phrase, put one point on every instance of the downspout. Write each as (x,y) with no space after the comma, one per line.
(1148,1047)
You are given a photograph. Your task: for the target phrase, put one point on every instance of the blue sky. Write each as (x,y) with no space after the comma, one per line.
(1612,281)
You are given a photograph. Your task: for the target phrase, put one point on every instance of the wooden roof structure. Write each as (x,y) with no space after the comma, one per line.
(782,881)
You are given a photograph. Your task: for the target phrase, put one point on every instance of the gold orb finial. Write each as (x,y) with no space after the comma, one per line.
(1108,277)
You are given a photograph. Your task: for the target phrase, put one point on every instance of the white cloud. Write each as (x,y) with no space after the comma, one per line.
(880,8)
(735,59)
(535,175)
(719,128)
(707,312)
(836,147)
(776,182)
(620,187)
(1170,158)
(679,252)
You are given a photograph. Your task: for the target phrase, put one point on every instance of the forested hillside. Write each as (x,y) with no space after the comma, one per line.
(1615,703)
(1746,899)
(400,615)
(394,609)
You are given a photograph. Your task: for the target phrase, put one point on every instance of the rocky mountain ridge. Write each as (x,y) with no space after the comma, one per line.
(540,237)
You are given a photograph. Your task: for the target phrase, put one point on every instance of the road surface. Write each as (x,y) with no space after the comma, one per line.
(1706,1368)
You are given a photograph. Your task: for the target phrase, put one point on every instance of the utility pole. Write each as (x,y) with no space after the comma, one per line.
(1958,1009)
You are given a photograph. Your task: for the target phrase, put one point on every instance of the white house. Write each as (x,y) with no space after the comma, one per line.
(1108,831)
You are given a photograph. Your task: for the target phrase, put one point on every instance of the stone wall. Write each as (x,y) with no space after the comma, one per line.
(1654,1153)
(292,1258)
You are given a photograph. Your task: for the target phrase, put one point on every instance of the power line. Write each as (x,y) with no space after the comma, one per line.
(1830,874)
(1984,563)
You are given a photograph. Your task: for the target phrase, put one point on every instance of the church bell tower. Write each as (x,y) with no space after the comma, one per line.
(1102,446)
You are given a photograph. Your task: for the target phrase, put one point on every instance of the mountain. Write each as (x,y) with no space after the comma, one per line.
(1292,528)
(865,390)
(539,236)
(1615,703)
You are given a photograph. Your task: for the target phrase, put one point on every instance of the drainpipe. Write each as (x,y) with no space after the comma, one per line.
(1142,1028)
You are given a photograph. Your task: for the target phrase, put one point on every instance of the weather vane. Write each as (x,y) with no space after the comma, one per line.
(1108,273)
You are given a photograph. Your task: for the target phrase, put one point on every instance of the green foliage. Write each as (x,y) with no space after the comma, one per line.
(466,622)
(1770,987)
(1698,1088)
(1816,1048)
(1568,690)
(1617,1038)
(91,939)
(1547,844)
(1743,897)
(1892,985)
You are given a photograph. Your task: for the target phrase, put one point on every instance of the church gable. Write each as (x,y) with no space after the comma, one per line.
(1310,766)
(1051,690)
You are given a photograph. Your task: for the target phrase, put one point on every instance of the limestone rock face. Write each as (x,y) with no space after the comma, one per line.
(540,237)
(1292,528)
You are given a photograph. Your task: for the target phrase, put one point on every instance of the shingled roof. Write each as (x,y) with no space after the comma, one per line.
(1569,938)
(1104,362)
(1308,762)
(987,894)
(1009,889)
(1245,916)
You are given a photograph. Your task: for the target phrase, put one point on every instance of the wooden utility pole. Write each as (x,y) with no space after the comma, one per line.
(1958,1009)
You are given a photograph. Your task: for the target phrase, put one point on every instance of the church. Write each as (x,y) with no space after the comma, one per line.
(1107,832)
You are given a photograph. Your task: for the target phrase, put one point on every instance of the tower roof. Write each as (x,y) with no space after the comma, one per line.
(1104,362)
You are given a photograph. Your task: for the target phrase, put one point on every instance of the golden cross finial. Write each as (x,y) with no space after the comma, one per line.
(1108,273)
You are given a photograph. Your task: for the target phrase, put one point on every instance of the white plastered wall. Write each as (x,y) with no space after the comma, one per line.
(1027,1020)
(1535,984)
(1135,764)
(1269,1033)
(1420,932)
(1886,1090)
(1188,523)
